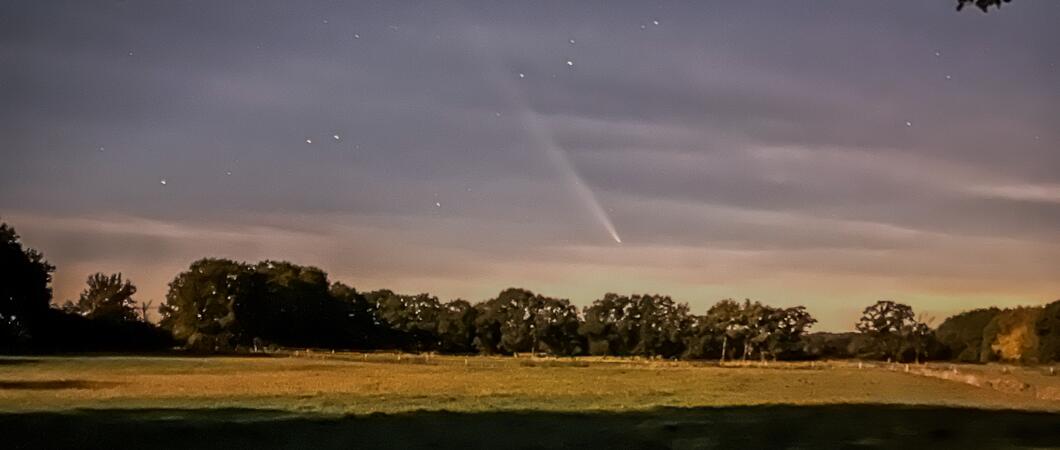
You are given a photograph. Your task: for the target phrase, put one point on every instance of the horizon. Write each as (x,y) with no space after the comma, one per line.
(888,150)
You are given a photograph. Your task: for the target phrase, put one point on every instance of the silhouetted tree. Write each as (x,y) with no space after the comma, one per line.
(728,318)
(662,325)
(456,327)
(294,308)
(518,320)
(502,324)
(107,297)
(204,302)
(25,291)
(645,325)
(757,318)
(413,319)
(555,327)
(606,327)
(887,323)
(1048,330)
(917,337)
(785,329)
(702,339)
(362,327)
(983,5)
(222,305)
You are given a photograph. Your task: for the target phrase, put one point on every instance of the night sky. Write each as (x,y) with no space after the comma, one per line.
(825,153)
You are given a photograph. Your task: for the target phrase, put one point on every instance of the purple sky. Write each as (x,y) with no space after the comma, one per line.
(826,153)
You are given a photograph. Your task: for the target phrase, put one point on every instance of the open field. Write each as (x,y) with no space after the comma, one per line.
(476,401)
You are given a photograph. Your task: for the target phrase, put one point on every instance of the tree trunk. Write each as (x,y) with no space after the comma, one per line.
(724,343)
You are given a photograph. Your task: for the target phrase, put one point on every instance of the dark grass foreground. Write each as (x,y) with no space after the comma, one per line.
(834,426)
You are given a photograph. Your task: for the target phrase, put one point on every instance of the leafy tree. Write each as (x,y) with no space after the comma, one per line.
(760,327)
(203,304)
(701,338)
(107,297)
(645,325)
(362,327)
(786,327)
(502,324)
(887,324)
(223,305)
(728,317)
(605,326)
(757,328)
(555,327)
(1048,330)
(25,291)
(518,320)
(917,336)
(661,323)
(413,319)
(456,327)
(962,335)
(295,308)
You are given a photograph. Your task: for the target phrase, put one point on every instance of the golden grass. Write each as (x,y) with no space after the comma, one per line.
(354,383)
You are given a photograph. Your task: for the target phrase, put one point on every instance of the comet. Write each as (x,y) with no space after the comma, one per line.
(542,137)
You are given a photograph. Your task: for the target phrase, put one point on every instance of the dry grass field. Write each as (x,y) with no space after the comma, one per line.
(360,384)
(431,398)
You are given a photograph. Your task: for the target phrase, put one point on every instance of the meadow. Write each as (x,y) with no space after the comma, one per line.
(380,400)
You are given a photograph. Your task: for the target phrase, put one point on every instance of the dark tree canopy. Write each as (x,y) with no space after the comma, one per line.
(456,327)
(962,335)
(25,287)
(202,303)
(412,319)
(643,325)
(983,5)
(224,305)
(1048,331)
(887,322)
(518,320)
(107,297)
(221,305)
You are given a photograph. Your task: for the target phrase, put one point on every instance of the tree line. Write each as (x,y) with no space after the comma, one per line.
(220,305)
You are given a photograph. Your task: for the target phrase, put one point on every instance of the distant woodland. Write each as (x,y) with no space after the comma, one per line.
(224,306)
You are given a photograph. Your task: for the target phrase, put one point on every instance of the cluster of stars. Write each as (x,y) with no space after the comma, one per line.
(947,77)
(570,61)
(522,75)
